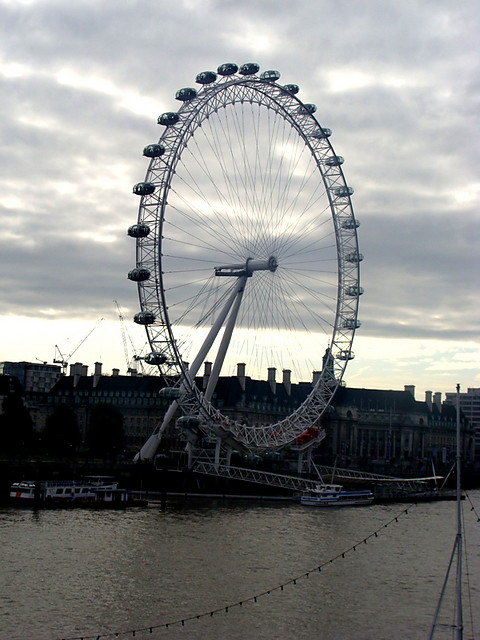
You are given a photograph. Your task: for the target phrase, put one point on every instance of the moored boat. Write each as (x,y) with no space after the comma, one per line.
(93,492)
(333,495)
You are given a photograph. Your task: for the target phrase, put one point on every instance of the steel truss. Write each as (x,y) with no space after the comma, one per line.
(227,92)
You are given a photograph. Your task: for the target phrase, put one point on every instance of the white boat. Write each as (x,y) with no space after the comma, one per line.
(333,495)
(92,491)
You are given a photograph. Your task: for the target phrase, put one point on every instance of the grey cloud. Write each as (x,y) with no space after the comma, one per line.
(70,155)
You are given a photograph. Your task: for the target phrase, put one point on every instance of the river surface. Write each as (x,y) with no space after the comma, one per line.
(80,573)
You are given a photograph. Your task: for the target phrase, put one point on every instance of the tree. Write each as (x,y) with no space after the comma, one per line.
(16,426)
(105,434)
(61,435)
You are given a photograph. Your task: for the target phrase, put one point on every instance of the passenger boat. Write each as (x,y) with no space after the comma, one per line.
(333,495)
(94,491)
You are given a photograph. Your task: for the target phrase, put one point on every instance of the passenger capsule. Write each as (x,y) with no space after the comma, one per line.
(270,76)
(344,354)
(206,77)
(140,230)
(343,191)
(155,358)
(322,132)
(144,188)
(188,422)
(351,223)
(291,88)
(153,151)
(139,274)
(249,69)
(351,323)
(353,290)
(307,107)
(334,161)
(168,118)
(227,69)
(186,94)
(144,317)
(171,393)
(354,257)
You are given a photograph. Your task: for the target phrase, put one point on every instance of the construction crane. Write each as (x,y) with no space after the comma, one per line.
(62,360)
(130,370)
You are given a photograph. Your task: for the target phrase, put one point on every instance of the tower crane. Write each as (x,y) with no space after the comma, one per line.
(62,360)
(130,369)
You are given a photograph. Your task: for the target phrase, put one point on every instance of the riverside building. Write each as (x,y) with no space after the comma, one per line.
(378,430)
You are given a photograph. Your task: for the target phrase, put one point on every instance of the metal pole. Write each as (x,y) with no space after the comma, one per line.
(222,350)
(459,616)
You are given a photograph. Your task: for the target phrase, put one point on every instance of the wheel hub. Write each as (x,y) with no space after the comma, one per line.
(248,268)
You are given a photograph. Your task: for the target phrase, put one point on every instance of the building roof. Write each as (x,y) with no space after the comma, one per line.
(379,400)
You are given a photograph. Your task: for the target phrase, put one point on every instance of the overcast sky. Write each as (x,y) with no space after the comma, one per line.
(398,83)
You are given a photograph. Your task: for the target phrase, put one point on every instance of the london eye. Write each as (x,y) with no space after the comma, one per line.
(246,253)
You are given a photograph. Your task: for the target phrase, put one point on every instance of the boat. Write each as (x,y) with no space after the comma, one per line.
(91,492)
(333,495)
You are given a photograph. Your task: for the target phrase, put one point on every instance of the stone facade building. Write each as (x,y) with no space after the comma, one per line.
(369,428)
(470,406)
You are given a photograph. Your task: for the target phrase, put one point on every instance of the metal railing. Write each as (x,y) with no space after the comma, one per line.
(297,483)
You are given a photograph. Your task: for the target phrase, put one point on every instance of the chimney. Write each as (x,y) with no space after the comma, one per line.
(411,389)
(241,374)
(206,374)
(78,370)
(271,379)
(287,381)
(98,373)
(115,372)
(437,399)
(428,399)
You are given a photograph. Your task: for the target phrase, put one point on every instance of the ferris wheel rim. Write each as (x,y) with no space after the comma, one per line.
(229,91)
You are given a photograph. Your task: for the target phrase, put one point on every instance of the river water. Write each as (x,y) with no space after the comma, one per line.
(79,573)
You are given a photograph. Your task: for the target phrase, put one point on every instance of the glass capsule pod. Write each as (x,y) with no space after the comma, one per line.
(344,354)
(249,69)
(206,77)
(291,88)
(144,188)
(140,230)
(186,94)
(354,257)
(139,274)
(351,323)
(270,76)
(153,151)
(322,132)
(168,118)
(334,161)
(171,393)
(188,422)
(144,317)
(227,69)
(307,107)
(354,290)
(156,357)
(343,191)
(351,223)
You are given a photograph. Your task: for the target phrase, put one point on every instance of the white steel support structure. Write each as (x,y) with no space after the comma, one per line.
(245,171)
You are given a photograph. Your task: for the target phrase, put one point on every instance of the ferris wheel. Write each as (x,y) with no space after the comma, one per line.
(247,255)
